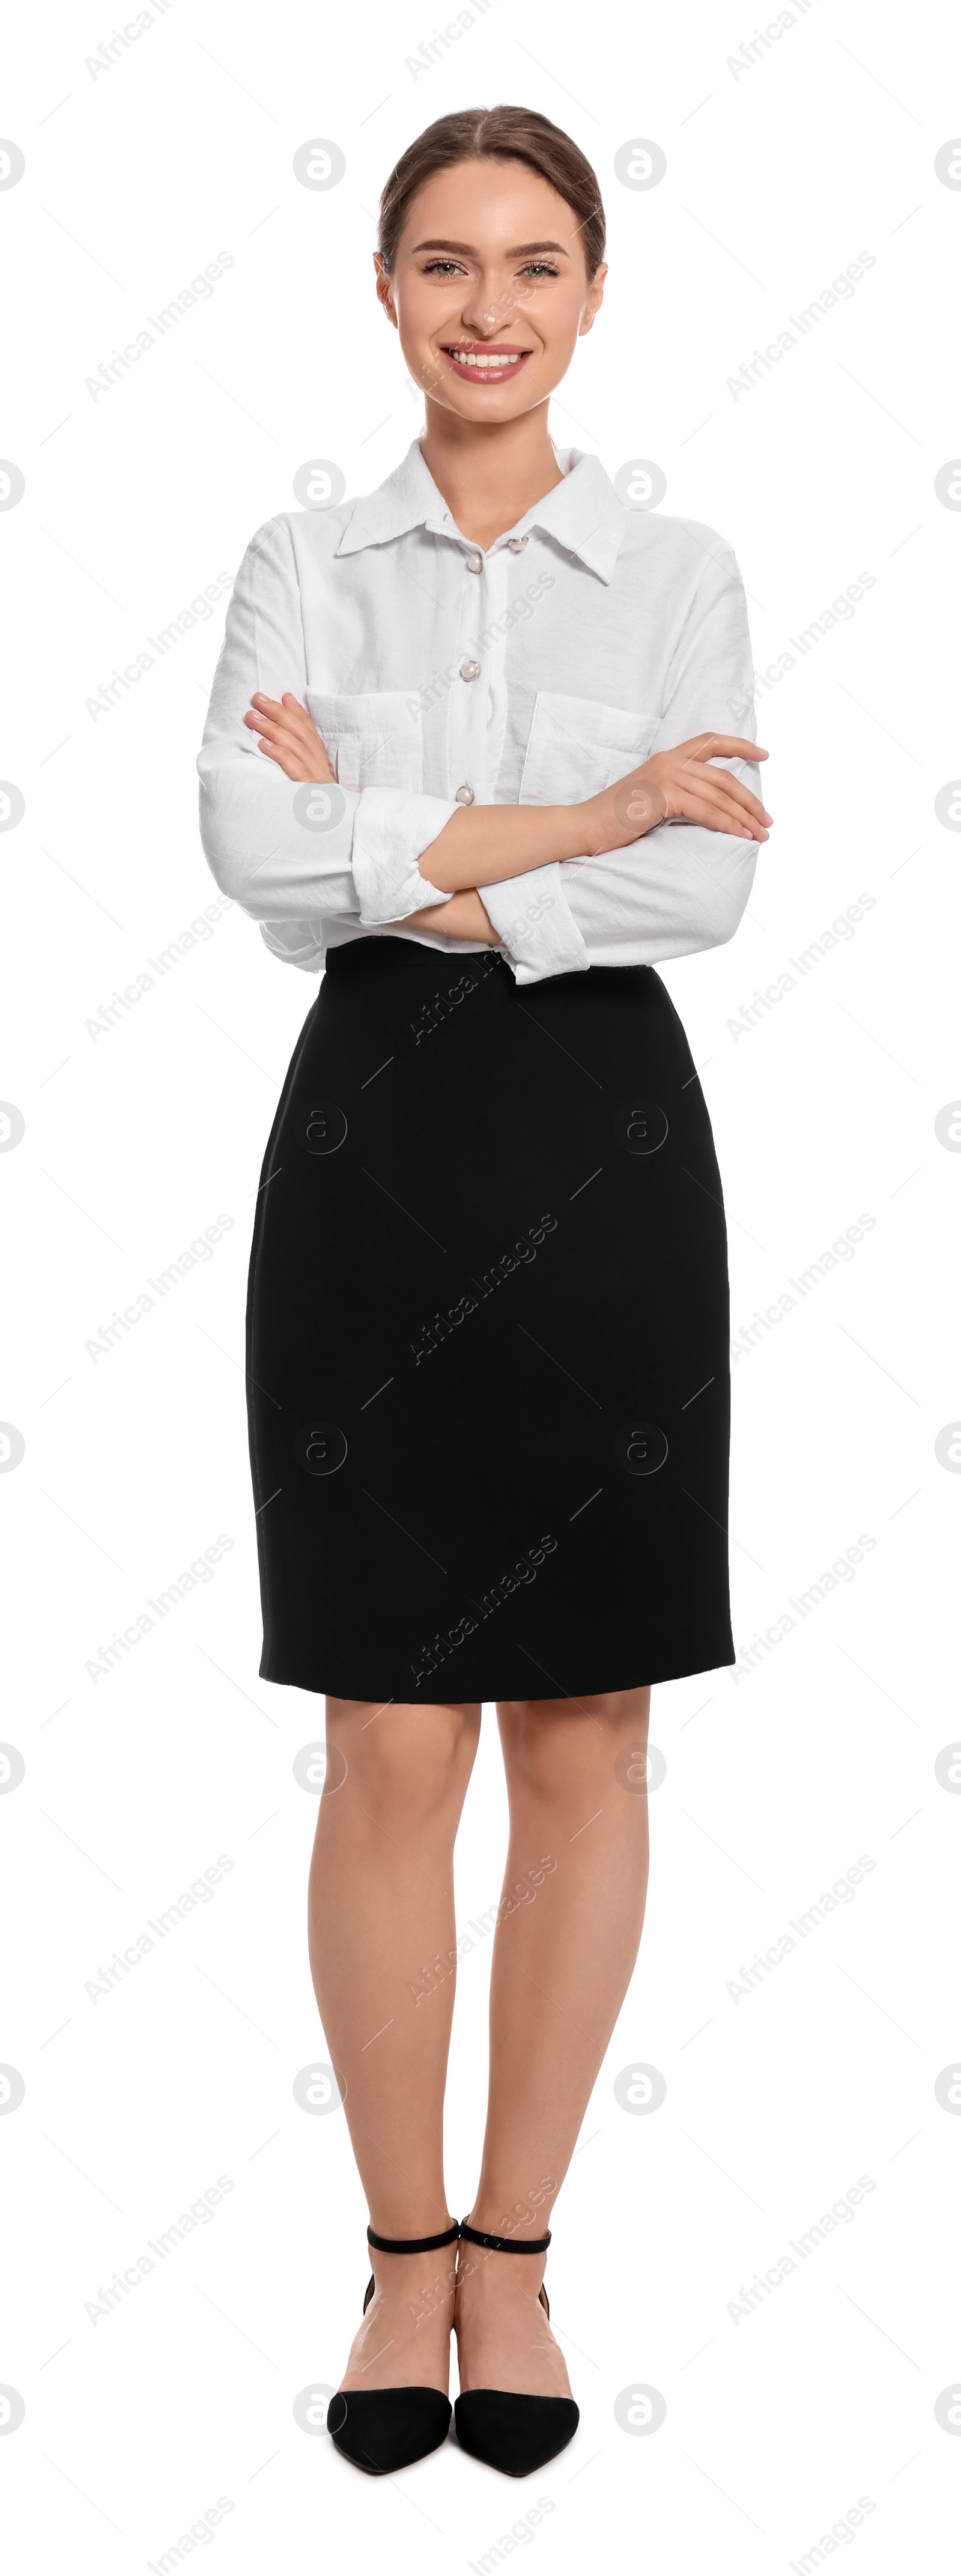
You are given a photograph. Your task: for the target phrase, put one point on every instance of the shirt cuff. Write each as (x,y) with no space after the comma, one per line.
(534,920)
(390,832)
(298,943)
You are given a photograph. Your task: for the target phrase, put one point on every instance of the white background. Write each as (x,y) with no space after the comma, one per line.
(776,1781)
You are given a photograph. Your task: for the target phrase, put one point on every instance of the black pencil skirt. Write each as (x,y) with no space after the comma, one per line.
(487,1338)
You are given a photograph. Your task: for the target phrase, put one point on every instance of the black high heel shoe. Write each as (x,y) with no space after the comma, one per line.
(508,2430)
(381,2429)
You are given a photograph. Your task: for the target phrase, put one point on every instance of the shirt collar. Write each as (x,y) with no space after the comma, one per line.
(582,514)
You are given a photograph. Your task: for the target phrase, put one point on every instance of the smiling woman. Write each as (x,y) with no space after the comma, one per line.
(478,308)
(468,748)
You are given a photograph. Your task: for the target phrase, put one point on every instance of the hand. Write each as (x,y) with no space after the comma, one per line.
(678,783)
(463,917)
(289,737)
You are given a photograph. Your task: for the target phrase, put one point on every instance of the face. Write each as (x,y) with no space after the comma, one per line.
(489,289)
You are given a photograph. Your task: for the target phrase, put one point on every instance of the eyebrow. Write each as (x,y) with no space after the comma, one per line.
(522,250)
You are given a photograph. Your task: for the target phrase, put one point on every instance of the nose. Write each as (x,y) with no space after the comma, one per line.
(484,309)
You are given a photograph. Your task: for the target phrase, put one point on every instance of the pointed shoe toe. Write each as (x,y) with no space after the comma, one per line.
(512,2432)
(381,2429)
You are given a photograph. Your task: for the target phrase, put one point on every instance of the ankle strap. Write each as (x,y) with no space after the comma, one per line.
(505,2244)
(412,2244)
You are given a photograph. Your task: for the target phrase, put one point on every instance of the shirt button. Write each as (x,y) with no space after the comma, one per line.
(470,670)
(464,795)
(474,563)
(516,545)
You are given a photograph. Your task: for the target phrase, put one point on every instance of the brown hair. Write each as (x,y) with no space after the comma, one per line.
(495,134)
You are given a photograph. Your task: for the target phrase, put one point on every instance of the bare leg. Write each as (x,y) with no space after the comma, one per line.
(561,1965)
(381,1910)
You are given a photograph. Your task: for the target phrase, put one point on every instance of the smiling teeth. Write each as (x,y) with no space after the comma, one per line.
(486,365)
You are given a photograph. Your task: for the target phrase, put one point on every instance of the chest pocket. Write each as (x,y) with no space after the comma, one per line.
(578,746)
(371,740)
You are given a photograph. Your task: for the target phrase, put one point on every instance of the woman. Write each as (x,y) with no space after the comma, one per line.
(458,753)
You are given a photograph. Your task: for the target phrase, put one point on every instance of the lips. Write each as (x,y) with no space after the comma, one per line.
(482,363)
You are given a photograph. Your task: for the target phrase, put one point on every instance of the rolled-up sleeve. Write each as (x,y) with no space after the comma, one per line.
(288,855)
(682,887)
(533,918)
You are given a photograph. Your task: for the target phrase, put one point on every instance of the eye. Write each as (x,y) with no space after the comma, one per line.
(538,268)
(440,268)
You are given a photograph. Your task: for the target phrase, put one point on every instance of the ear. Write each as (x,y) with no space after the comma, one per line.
(595,298)
(384,288)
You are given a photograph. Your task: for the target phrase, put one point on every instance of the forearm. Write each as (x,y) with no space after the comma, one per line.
(462,916)
(483,844)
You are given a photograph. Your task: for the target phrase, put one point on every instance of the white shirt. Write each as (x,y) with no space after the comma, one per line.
(537,672)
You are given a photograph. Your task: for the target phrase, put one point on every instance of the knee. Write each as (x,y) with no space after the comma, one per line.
(411,1764)
(553,1746)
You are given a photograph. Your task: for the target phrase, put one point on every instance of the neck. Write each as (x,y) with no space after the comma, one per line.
(489,475)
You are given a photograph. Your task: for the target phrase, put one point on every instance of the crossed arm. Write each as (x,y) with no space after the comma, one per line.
(484,844)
